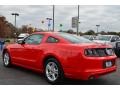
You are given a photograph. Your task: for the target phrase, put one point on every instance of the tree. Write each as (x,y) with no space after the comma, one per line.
(24,29)
(6,28)
(90,32)
(70,31)
(103,33)
(112,33)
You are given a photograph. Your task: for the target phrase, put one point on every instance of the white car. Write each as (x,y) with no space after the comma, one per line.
(90,37)
(22,36)
(107,39)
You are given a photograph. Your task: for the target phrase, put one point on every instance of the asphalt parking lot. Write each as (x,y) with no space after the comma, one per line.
(20,76)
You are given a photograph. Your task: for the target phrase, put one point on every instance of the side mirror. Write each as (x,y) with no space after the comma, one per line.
(20,42)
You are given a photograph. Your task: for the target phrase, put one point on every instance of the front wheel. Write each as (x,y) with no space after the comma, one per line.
(6,59)
(53,71)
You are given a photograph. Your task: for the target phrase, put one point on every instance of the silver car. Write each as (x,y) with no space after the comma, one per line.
(107,39)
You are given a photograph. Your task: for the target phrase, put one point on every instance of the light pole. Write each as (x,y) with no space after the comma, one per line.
(53,16)
(15,14)
(97,28)
(78,22)
(49,24)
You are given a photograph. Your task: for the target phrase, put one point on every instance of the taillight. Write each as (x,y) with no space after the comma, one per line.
(99,52)
(91,52)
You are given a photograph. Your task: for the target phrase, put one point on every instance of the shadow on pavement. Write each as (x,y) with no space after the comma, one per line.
(99,81)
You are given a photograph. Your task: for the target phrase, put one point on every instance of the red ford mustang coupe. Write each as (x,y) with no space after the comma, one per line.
(59,55)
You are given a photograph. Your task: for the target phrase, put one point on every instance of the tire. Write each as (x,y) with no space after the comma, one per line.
(6,59)
(53,71)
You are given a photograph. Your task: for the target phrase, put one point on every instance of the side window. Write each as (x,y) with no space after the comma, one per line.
(52,40)
(115,38)
(34,39)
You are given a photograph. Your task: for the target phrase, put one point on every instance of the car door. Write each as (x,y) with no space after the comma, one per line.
(30,51)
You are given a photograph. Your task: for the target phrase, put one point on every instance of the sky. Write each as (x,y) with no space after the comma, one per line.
(107,16)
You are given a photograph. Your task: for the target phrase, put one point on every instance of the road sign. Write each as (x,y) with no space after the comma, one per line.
(74,22)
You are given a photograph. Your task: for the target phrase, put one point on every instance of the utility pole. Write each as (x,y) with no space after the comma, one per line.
(15,14)
(53,16)
(78,22)
(97,28)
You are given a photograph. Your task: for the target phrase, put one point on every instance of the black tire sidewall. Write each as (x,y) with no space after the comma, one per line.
(60,71)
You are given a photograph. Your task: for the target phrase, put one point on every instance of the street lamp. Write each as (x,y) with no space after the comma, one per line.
(78,21)
(15,14)
(53,16)
(97,28)
(49,24)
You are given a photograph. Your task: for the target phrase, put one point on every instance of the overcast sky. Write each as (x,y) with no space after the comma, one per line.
(107,16)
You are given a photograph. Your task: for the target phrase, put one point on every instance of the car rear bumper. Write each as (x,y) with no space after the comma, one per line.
(90,74)
(91,67)
(93,74)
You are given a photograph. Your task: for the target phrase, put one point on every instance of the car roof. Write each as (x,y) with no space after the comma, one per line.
(108,35)
(23,34)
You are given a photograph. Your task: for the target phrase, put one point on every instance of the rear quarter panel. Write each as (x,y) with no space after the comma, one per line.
(69,56)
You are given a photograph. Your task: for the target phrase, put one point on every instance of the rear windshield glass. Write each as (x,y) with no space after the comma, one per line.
(104,38)
(74,38)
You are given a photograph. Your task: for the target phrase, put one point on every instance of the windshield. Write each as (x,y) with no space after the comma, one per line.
(87,37)
(104,38)
(20,37)
(74,38)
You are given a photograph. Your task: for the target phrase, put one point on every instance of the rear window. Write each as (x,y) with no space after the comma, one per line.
(104,38)
(74,38)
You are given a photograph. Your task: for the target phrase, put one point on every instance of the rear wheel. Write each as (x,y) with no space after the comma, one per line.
(6,59)
(53,71)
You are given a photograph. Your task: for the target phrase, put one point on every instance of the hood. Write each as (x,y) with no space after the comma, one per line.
(105,42)
(100,41)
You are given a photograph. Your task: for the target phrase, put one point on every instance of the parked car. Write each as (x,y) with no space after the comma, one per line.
(22,36)
(90,37)
(107,39)
(60,55)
